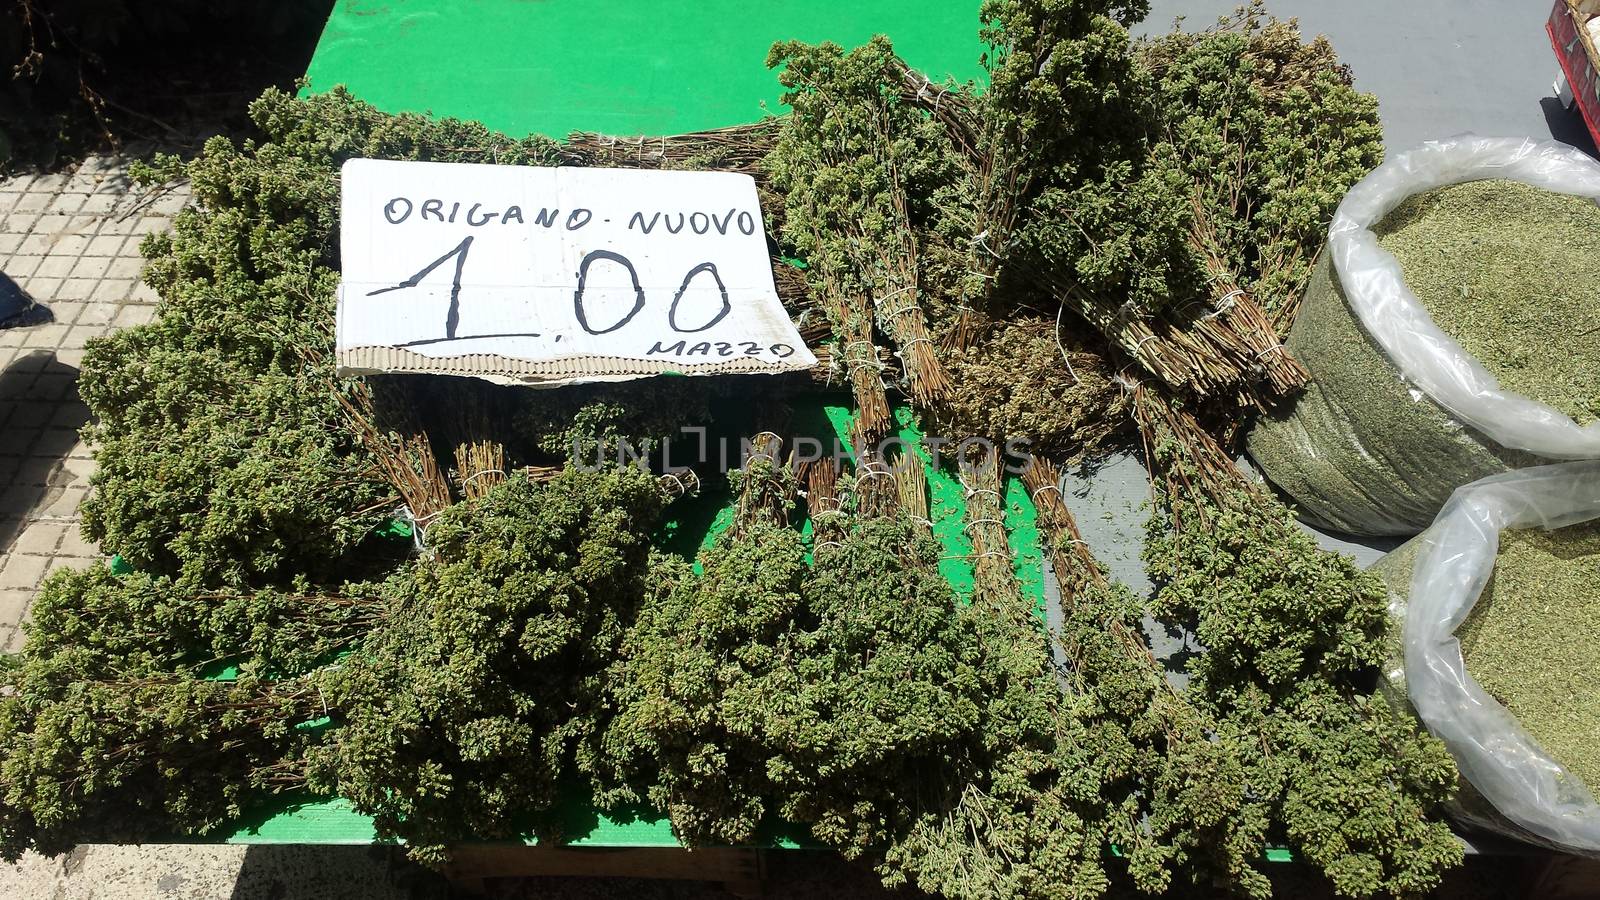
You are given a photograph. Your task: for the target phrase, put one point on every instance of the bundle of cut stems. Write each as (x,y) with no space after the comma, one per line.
(821,480)
(677,483)
(790,282)
(1225,353)
(911,482)
(993,576)
(407,462)
(480,465)
(1210,467)
(236,716)
(1213,355)
(813,326)
(830,368)
(877,492)
(1236,324)
(765,494)
(895,304)
(737,148)
(852,326)
(943,103)
(999,187)
(1075,566)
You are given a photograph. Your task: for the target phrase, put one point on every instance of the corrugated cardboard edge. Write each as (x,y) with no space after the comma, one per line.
(570,370)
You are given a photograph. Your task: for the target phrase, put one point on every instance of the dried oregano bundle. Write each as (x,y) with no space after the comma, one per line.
(858,168)
(1170,789)
(1030,379)
(688,681)
(1068,195)
(459,718)
(147,623)
(1271,132)
(138,755)
(220,450)
(1294,636)
(1026,817)
(876,720)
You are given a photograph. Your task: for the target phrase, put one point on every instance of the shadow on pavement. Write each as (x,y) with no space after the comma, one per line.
(1567,126)
(334,872)
(40,415)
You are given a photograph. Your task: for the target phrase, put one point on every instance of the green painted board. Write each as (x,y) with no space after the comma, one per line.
(625,67)
(334,822)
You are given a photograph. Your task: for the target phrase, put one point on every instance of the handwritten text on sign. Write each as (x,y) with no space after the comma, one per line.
(554,275)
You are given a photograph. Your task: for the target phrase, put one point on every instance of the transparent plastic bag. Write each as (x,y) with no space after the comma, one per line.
(1438,580)
(1382,471)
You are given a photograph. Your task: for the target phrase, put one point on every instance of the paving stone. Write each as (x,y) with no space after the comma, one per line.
(66,505)
(73,469)
(105,165)
(40,539)
(20,267)
(75,546)
(31,414)
(14,603)
(151,225)
(128,266)
(134,315)
(69,243)
(76,338)
(113,290)
(34,359)
(56,443)
(35,471)
(21,222)
(106,244)
(120,224)
(99,203)
(70,415)
(34,242)
(29,202)
(43,290)
(54,266)
(144,293)
(91,267)
(170,202)
(77,289)
(116,187)
(66,312)
(20,571)
(45,335)
(51,223)
(68,203)
(16,442)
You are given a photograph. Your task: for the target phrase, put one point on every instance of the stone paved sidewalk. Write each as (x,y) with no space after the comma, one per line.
(71,242)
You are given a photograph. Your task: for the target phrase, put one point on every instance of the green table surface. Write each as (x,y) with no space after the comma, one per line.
(626,68)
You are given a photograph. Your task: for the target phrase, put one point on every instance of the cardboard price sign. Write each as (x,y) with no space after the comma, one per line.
(551,276)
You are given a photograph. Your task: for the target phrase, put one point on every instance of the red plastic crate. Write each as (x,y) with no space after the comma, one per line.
(1576,55)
